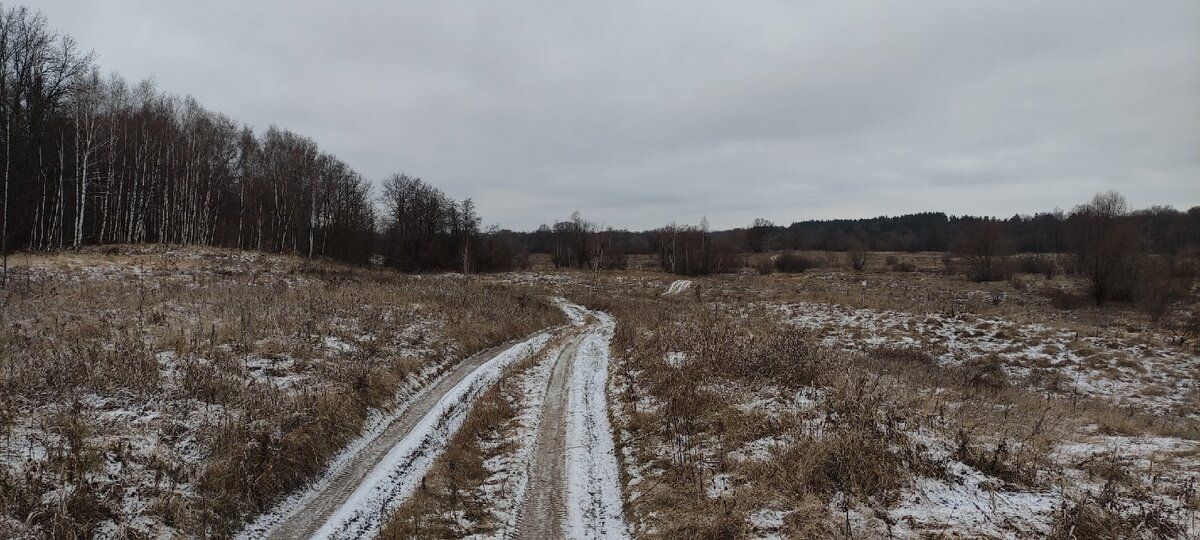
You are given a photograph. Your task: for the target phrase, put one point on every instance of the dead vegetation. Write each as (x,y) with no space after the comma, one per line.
(731,420)
(151,390)
(732,425)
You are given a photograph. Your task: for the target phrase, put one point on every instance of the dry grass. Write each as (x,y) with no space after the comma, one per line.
(724,413)
(203,385)
(451,493)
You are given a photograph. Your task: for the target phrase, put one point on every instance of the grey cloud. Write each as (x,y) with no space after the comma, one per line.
(641,113)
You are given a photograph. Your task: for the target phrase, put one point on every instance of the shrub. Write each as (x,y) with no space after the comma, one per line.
(794,263)
(1156,291)
(785,357)
(1037,264)
(1107,243)
(861,454)
(1186,329)
(900,354)
(985,251)
(857,255)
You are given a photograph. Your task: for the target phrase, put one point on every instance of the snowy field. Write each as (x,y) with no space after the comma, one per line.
(238,395)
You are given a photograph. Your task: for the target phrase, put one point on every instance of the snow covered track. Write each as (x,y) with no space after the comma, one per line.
(594,508)
(574,488)
(541,508)
(351,500)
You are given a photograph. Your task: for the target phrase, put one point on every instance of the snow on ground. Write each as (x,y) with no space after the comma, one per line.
(1160,378)
(506,487)
(376,423)
(766,523)
(678,286)
(970,505)
(594,504)
(399,473)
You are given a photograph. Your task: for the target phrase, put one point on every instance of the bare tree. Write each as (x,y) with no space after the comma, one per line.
(758,234)
(1106,244)
(985,250)
(857,254)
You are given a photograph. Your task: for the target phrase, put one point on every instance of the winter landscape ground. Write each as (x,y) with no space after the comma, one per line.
(624,270)
(154,392)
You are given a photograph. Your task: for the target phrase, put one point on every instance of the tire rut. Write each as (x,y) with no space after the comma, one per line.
(543,512)
(308,516)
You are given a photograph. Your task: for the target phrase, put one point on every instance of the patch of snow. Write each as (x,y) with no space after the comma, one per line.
(338,345)
(675,359)
(1115,370)
(767,523)
(678,286)
(719,486)
(973,505)
(758,449)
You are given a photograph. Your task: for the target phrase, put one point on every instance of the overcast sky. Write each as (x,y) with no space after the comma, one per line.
(639,114)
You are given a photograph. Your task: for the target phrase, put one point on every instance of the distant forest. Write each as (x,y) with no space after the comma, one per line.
(91,159)
(1162,229)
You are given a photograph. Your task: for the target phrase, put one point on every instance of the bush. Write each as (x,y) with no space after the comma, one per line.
(792,359)
(863,454)
(857,256)
(794,263)
(985,250)
(1156,290)
(1037,264)
(1108,246)
(618,261)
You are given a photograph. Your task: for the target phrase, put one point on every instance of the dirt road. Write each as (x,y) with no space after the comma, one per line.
(543,511)
(347,502)
(574,487)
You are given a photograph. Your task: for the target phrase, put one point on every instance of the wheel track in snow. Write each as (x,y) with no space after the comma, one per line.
(543,510)
(573,489)
(350,500)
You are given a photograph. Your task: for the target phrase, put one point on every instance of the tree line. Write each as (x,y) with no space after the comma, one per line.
(1163,229)
(1160,230)
(1147,255)
(91,159)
